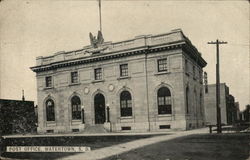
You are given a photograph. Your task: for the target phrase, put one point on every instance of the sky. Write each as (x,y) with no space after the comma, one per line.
(29,29)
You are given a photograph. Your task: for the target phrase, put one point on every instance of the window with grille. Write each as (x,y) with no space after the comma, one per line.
(126,104)
(124,70)
(74,77)
(164,101)
(50,110)
(98,74)
(76,108)
(162,65)
(48,81)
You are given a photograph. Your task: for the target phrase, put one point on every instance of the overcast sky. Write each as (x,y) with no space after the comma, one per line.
(40,28)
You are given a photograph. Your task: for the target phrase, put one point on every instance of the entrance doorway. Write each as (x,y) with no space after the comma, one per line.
(99,102)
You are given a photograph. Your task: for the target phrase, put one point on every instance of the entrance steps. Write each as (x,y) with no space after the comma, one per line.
(98,128)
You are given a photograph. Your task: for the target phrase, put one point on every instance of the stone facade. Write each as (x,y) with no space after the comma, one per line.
(141,55)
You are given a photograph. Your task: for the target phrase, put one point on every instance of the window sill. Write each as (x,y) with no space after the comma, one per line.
(76,120)
(163,72)
(97,81)
(125,77)
(51,123)
(46,88)
(127,117)
(73,84)
(164,115)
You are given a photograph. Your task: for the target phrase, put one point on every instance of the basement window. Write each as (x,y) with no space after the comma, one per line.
(190,125)
(50,131)
(165,126)
(126,128)
(75,130)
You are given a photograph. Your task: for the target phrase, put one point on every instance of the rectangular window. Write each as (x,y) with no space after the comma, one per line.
(98,74)
(126,128)
(162,65)
(200,75)
(194,71)
(74,77)
(124,70)
(48,81)
(75,130)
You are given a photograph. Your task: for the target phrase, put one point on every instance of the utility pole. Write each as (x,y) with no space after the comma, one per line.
(218,83)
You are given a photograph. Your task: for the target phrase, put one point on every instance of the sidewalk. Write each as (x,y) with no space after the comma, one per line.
(86,134)
(125,147)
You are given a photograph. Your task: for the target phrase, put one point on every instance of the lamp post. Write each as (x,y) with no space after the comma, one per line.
(82,107)
(107,112)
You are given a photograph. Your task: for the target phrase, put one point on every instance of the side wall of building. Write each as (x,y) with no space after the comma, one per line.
(210,104)
(194,96)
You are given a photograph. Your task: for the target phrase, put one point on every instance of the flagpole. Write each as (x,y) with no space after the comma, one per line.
(100,15)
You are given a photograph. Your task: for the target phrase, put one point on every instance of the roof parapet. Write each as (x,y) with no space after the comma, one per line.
(139,41)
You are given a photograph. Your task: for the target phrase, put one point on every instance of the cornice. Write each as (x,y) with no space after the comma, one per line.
(194,54)
(125,53)
(102,57)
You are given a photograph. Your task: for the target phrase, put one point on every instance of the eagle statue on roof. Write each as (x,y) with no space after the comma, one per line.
(96,42)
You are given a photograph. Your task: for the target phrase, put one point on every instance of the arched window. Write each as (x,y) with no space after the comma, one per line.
(187,95)
(126,104)
(76,108)
(50,110)
(164,101)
